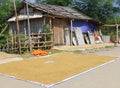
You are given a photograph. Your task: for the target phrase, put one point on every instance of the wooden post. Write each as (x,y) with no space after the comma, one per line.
(44,40)
(12,42)
(7,45)
(71,32)
(117,33)
(44,23)
(28,22)
(14,48)
(18,30)
(50,21)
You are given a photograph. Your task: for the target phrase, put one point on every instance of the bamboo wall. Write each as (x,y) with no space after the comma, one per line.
(35,26)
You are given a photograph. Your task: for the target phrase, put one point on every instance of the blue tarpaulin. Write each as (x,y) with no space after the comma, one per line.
(84,26)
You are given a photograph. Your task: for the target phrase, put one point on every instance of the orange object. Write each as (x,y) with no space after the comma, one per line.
(39,53)
(96,37)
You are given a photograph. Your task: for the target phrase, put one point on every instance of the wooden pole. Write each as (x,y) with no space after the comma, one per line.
(44,23)
(50,22)
(7,45)
(12,42)
(71,32)
(51,30)
(28,22)
(18,30)
(117,33)
(3,29)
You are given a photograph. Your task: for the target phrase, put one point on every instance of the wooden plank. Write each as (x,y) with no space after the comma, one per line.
(111,25)
(42,42)
(86,39)
(42,46)
(92,40)
(79,36)
(67,36)
(74,41)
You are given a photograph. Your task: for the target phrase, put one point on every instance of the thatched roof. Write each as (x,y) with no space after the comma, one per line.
(61,11)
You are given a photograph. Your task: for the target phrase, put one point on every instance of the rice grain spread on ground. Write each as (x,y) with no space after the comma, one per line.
(52,69)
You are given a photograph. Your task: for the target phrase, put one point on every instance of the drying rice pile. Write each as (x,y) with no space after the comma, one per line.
(54,68)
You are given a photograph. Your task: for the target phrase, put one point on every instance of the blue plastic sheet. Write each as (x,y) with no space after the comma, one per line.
(84,26)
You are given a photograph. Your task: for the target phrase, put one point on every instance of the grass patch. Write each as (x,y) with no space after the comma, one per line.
(77,51)
(109,46)
(54,51)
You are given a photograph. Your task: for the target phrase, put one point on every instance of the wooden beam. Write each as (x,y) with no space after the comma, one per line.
(18,30)
(117,37)
(28,22)
(111,25)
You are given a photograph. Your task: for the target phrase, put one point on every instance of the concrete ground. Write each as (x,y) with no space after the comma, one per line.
(7,82)
(106,76)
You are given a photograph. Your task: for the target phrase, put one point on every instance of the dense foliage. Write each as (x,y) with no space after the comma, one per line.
(6,7)
(58,2)
(55,2)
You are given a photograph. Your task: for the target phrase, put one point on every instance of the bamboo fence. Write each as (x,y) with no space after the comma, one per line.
(38,41)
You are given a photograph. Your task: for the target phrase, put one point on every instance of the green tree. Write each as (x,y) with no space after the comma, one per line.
(117,2)
(5,9)
(97,9)
(59,2)
(106,11)
(40,1)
